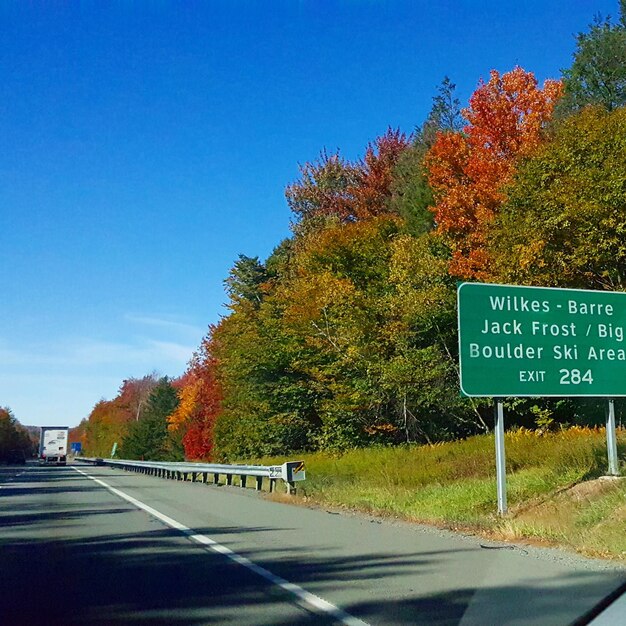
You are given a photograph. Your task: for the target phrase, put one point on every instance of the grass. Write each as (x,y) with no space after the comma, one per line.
(555,493)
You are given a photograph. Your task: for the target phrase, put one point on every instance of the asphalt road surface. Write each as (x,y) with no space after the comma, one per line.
(94,545)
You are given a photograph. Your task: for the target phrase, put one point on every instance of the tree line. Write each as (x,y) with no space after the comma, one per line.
(14,438)
(346,334)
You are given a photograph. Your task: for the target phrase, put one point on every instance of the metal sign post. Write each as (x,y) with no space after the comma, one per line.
(500,458)
(611,439)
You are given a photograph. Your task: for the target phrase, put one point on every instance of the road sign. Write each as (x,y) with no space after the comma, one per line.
(539,341)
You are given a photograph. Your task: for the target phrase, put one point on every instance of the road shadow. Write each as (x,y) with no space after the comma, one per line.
(127,568)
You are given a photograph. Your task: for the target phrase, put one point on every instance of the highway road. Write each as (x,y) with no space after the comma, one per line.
(94,545)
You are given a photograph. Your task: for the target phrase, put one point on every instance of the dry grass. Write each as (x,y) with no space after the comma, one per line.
(555,492)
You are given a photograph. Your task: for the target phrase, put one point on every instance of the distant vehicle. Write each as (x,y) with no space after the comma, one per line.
(53,445)
(16,457)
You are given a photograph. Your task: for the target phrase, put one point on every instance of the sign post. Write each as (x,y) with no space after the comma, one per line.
(500,458)
(611,439)
(541,342)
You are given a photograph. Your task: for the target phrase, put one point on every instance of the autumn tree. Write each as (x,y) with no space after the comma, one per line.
(78,434)
(331,308)
(372,189)
(199,403)
(411,195)
(268,406)
(421,374)
(108,422)
(148,438)
(245,280)
(13,436)
(598,72)
(134,393)
(564,223)
(332,187)
(505,121)
(323,188)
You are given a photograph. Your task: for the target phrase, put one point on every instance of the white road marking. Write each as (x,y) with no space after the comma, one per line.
(308,599)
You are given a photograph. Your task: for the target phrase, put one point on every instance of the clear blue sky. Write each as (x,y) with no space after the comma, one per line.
(146,144)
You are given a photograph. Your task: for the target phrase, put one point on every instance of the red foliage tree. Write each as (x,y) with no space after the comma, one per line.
(371,192)
(506,120)
(200,398)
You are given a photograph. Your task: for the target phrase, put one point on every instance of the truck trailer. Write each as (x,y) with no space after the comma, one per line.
(53,445)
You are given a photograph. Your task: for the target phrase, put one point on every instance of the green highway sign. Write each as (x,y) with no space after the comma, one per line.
(539,341)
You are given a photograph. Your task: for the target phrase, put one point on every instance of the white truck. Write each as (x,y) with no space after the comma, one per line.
(53,444)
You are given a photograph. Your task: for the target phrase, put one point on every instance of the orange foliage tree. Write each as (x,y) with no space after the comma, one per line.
(506,120)
(200,400)
(78,434)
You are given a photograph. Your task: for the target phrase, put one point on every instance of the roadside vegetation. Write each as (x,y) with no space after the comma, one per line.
(557,492)
(15,439)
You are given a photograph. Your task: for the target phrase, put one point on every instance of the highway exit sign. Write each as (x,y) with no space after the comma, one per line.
(539,341)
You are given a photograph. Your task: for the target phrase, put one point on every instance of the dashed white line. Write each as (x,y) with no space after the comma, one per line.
(304,597)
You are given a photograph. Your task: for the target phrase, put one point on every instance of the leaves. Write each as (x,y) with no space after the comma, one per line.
(564,223)
(147,437)
(323,188)
(506,119)
(108,421)
(598,73)
(199,403)
(334,188)
(245,280)
(13,436)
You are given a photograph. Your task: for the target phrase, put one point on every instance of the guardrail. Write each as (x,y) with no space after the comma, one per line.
(290,472)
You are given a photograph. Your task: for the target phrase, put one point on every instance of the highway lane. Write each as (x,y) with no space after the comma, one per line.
(100,559)
(71,552)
